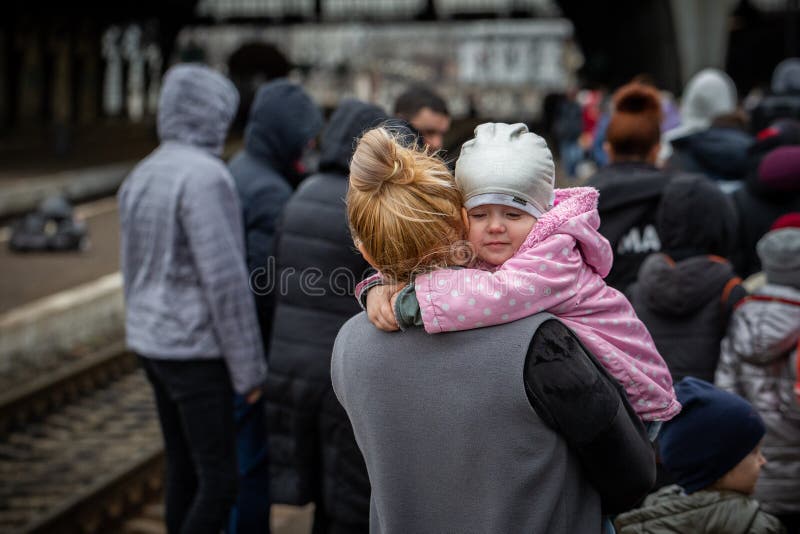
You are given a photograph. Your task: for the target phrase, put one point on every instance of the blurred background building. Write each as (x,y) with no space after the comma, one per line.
(71,70)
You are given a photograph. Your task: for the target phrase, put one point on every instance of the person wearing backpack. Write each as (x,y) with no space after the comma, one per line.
(685,294)
(759,362)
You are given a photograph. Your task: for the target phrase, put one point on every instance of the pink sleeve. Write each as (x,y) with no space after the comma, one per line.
(526,284)
(365,284)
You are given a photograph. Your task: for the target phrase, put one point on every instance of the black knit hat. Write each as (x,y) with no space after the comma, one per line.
(713,433)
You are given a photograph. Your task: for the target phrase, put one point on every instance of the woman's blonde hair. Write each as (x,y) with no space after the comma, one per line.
(404,207)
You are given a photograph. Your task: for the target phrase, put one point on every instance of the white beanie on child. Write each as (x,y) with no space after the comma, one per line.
(508,165)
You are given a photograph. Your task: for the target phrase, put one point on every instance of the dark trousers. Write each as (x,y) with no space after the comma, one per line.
(251,513)
(195,408)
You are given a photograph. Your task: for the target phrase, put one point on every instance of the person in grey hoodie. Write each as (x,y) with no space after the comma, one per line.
(189,313)
(283,120)
(759,362)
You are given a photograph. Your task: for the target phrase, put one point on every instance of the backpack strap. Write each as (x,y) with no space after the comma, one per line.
(732,294)
(767,298)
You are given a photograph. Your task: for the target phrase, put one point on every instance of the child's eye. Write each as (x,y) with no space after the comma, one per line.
(512,215)
(477,215)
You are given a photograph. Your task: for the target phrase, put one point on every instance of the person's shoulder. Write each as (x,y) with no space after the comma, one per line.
(355,323)
(327,188)
(626,182)
(207,172)
(354,329)
(729,509)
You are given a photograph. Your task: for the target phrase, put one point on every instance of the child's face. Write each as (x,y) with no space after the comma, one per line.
(497,231)
(744,476)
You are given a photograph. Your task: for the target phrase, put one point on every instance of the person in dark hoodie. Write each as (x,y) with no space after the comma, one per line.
(686,293)
(630,187)
(313,453)
(699,144)
(189,313)
(772,189)
(283,120)
(783,101)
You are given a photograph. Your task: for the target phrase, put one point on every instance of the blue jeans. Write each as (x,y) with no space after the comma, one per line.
(251,512)
(195,408)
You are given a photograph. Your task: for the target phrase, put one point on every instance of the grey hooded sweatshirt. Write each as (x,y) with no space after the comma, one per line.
(182,242)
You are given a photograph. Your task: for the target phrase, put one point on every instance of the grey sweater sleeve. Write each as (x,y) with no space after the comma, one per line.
(579,399)
(212,222)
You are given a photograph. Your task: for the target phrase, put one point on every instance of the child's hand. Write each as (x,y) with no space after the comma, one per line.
(380,306)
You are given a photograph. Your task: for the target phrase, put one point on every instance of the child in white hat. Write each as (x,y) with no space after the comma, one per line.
(537,250)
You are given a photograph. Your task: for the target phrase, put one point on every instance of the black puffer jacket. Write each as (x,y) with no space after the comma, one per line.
(629,196)
(313,454)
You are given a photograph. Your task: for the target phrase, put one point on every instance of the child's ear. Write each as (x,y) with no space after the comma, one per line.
(465,218)
(367,257)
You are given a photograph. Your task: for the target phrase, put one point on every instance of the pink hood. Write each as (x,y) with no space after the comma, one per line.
(558,269)
(574,214)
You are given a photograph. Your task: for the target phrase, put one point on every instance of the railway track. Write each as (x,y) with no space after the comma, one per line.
(80,449)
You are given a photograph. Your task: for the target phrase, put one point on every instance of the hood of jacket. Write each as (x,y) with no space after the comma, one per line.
(575,213)
(282,120)
(720,152)
(786,76)
(196,107)
(628,183)
(709,94)
(765,325)
(670,510)
(351,119)
(682,232)
(681,288)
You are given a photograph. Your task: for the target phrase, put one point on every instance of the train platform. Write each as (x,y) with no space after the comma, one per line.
(58,308)
(55,303)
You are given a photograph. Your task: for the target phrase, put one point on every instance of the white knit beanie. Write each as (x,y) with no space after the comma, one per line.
(506,164)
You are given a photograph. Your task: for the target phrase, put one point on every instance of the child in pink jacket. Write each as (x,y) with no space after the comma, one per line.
(538,250)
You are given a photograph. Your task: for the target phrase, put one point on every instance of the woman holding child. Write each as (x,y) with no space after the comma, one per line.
(514,428)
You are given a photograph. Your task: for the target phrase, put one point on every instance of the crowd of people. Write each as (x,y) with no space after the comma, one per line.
(616,357)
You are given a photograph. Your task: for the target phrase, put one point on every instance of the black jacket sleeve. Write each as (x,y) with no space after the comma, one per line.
(579,399)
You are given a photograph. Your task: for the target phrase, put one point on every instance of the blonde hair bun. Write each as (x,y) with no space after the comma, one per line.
(403,206)
(381,160)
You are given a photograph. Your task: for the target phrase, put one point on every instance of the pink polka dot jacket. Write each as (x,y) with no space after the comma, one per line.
(558,269)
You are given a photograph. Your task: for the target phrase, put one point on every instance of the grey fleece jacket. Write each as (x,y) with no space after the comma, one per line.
(182,242)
